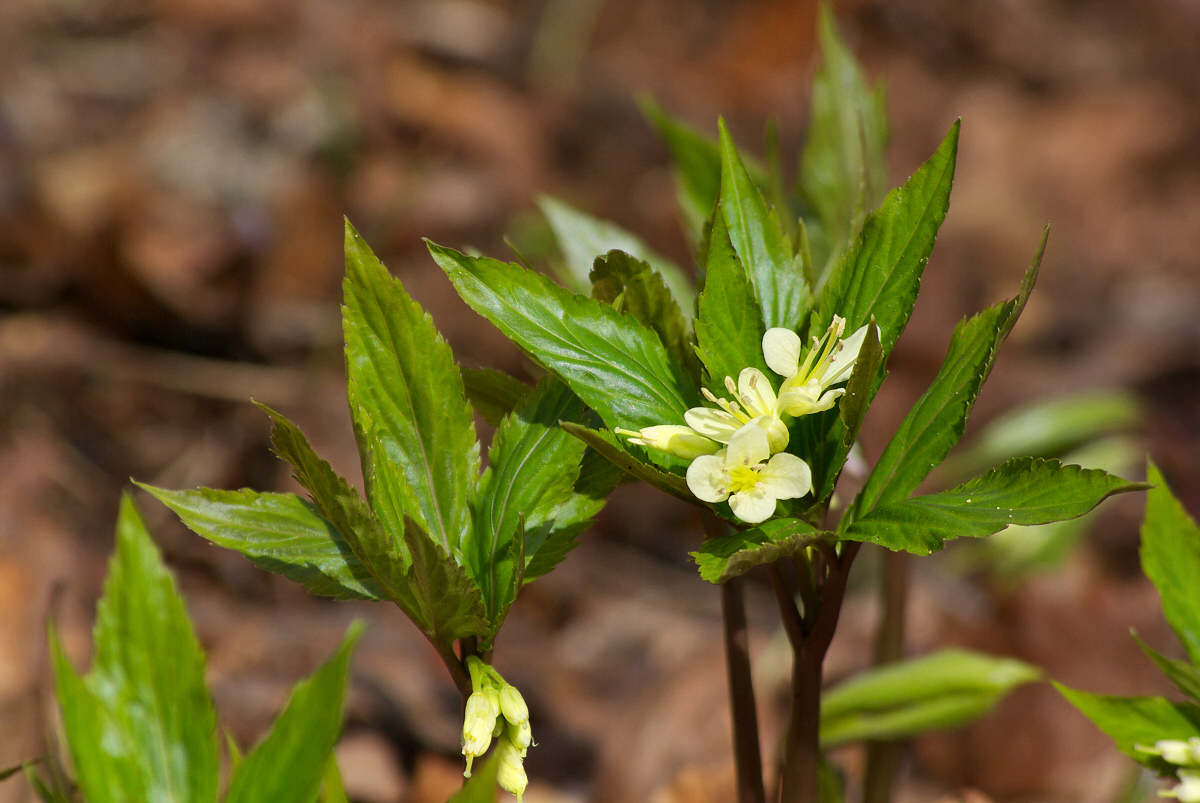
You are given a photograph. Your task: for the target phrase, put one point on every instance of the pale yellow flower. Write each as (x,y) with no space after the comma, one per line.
(748,476)
(754,401)
(830,360)
(674,439)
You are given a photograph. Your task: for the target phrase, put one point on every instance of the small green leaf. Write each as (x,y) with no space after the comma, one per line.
(842,170)
(853,405)
(492,393)
(1026,490)
(1171,559)
(401,373)
(332,789)
(937,420)
(583,238)
(947,689)
(1184,675)
(639,291)
(729,324)
(721,559)
(281,533)
(779,284)
(141,726)
(481,786)
(616,365)
(607,445)
(288,765)
(1130,721)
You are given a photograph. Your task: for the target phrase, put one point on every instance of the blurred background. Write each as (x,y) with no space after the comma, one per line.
(172,179)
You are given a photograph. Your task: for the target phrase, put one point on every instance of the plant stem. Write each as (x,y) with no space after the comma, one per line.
(882,757)
(746,752)
(458,672)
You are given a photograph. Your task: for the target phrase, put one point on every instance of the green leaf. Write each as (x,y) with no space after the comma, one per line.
(721,559)
(1171,559)
(697,166)
(947,689)
(605,443)
(616,365)
(1131,721)
(937,420)
(881,272)
(779,284)
(289,764)
(583,238)
(1184,675)
(842,170)
(533,467)
(332,790)
(853,405)
(639,291)
(481,786)
(281,533)
(402,374)
(1026,490)
(492,393)
(141,726)
(729,324)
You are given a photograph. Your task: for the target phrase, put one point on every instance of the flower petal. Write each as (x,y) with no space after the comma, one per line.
(707,479)
(748,446)
(777,434)
(781,350)
(682,442)
(755,392)
(786,477)
(843,362)
(716,424)
(754,505)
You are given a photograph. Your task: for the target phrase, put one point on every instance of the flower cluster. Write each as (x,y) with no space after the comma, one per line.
(1186,756)
(737,450)
(496,710)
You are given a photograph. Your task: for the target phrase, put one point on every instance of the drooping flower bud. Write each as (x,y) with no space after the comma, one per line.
(512,705)
(479,723)
(510,773)
(521,736)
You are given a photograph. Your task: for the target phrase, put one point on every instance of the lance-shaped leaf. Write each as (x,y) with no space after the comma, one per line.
(1132,721)
(1171,559)
(947,689)
(492,393)
(842,170)
(481,786)
(402,374)
(937,420)
(141,725)
(853,405)
(1184,675)
(760,243)
(723,558)
(607,445)
(281,533)
(583,238)
(1025,490)
(729,324)
(615,364)
(288,765)
(532,471)
(639,291)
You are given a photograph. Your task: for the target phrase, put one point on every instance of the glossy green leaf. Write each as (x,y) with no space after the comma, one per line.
(852,407)
(1184,675)
(1171,559)
(1022,491)
(639,291)
(607,445)
(141,725)
(1131,721)
(616,365)
(533,465)
(842,170)
(583,238)
(937,420)
(289,764)
(281,533)
(721,559)
(492,393)
(729,324)
(947,689)
(401,373)
(764,250)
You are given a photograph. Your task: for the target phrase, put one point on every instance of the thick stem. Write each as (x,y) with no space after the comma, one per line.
(746,751)
(882,757)
(454,665)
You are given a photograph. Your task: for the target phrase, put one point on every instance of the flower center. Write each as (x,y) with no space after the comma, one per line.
(742,478)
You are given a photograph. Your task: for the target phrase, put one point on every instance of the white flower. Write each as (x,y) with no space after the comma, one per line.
(755,401)
(806,385)
(511,771)
(1188,790)
(674,439)
(512,705)
(739,474)
(479,724)
(1175,751)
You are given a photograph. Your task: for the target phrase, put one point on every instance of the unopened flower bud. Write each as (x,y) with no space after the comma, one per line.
(512,705)
(674,439)
(479,723)
(510,773)
(521,736)
(1188,790)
